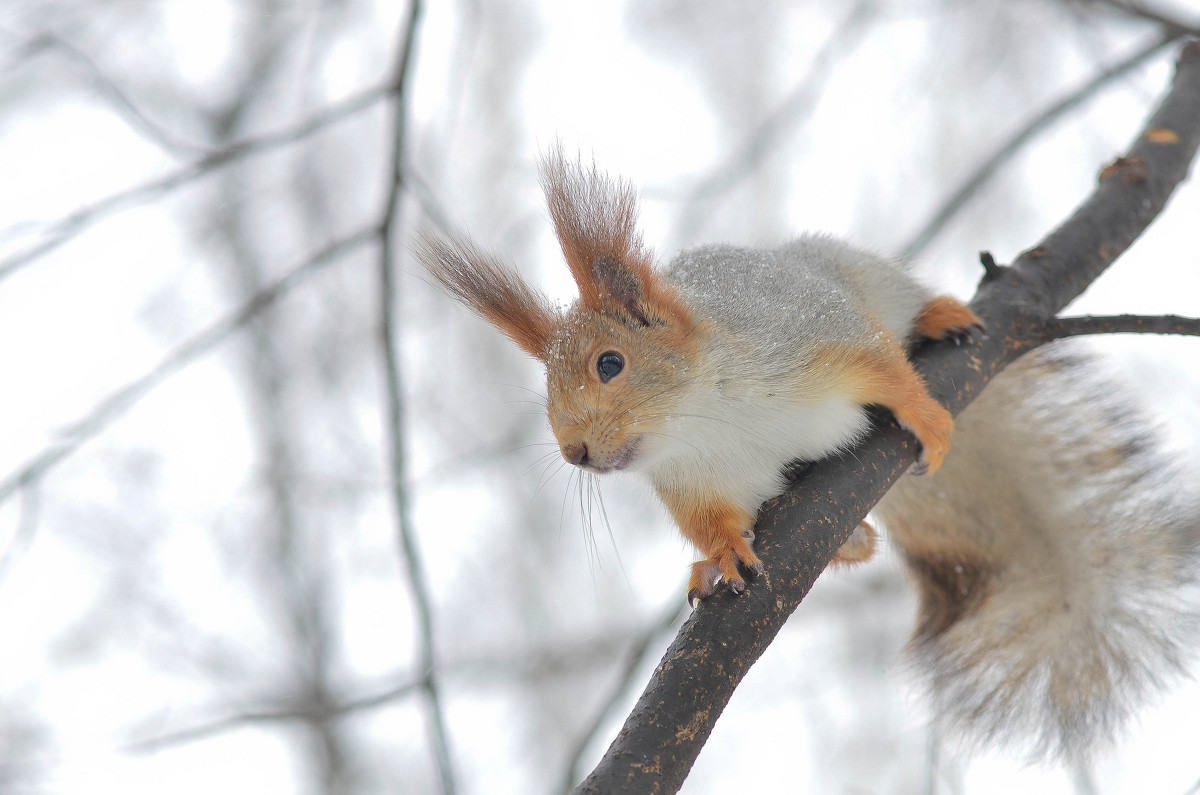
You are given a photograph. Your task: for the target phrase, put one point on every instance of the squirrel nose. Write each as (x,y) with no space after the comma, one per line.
(576,454)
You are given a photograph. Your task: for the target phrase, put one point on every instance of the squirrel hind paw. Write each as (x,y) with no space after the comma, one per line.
(706,574)
(927,460)
(859,547)
(932,425)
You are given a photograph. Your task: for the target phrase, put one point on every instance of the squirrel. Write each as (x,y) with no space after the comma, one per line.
(1050,564)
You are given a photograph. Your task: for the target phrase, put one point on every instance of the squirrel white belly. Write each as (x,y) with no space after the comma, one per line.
(1048,601)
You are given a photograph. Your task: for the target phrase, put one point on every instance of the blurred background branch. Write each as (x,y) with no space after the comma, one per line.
(411,558)
(959,199)
(118,402)
(63,230)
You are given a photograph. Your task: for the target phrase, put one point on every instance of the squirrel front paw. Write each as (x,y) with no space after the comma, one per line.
(886,377)
(722,531)
(948,319)
(724,566)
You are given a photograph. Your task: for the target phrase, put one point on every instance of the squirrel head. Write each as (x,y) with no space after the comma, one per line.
(618,359)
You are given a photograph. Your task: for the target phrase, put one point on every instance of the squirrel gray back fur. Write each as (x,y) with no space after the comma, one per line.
(814,289)
(1055,557)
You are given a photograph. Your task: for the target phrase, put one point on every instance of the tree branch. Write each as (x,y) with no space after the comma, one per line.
(558,659)
(120,101)
(410,555)
(1122,324)
(799,531)
(286,710)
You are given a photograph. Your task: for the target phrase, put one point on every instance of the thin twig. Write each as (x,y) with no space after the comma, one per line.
(288,712)
(1141,11)
(990,269)
(1122,324)
(124,106)
(953,205)
(27,523)
(124,398)
(23,49)
(67,228)
(745,159)
(556,659)
(418,187)
(410,553)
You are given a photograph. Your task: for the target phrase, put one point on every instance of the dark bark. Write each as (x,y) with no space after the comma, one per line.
(799,531)
(1124,324)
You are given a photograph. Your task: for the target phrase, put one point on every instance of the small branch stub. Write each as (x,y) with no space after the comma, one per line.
(990,269)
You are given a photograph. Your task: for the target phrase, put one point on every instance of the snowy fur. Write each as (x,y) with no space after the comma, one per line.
(752,408)
(814,289)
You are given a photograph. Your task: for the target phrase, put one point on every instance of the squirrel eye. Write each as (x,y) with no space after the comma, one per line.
(609,365)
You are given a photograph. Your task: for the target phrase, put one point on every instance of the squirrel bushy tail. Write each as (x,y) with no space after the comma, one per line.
(1054,554)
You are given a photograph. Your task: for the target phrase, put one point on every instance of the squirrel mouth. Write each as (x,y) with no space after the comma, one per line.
(627,454)
(622,459)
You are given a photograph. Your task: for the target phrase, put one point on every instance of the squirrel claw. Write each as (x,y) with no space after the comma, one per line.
(964,334)
(707,573)
(919,468)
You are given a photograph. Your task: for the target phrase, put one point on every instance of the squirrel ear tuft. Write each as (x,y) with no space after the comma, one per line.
(595,218)
(615,281)
(492,290)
